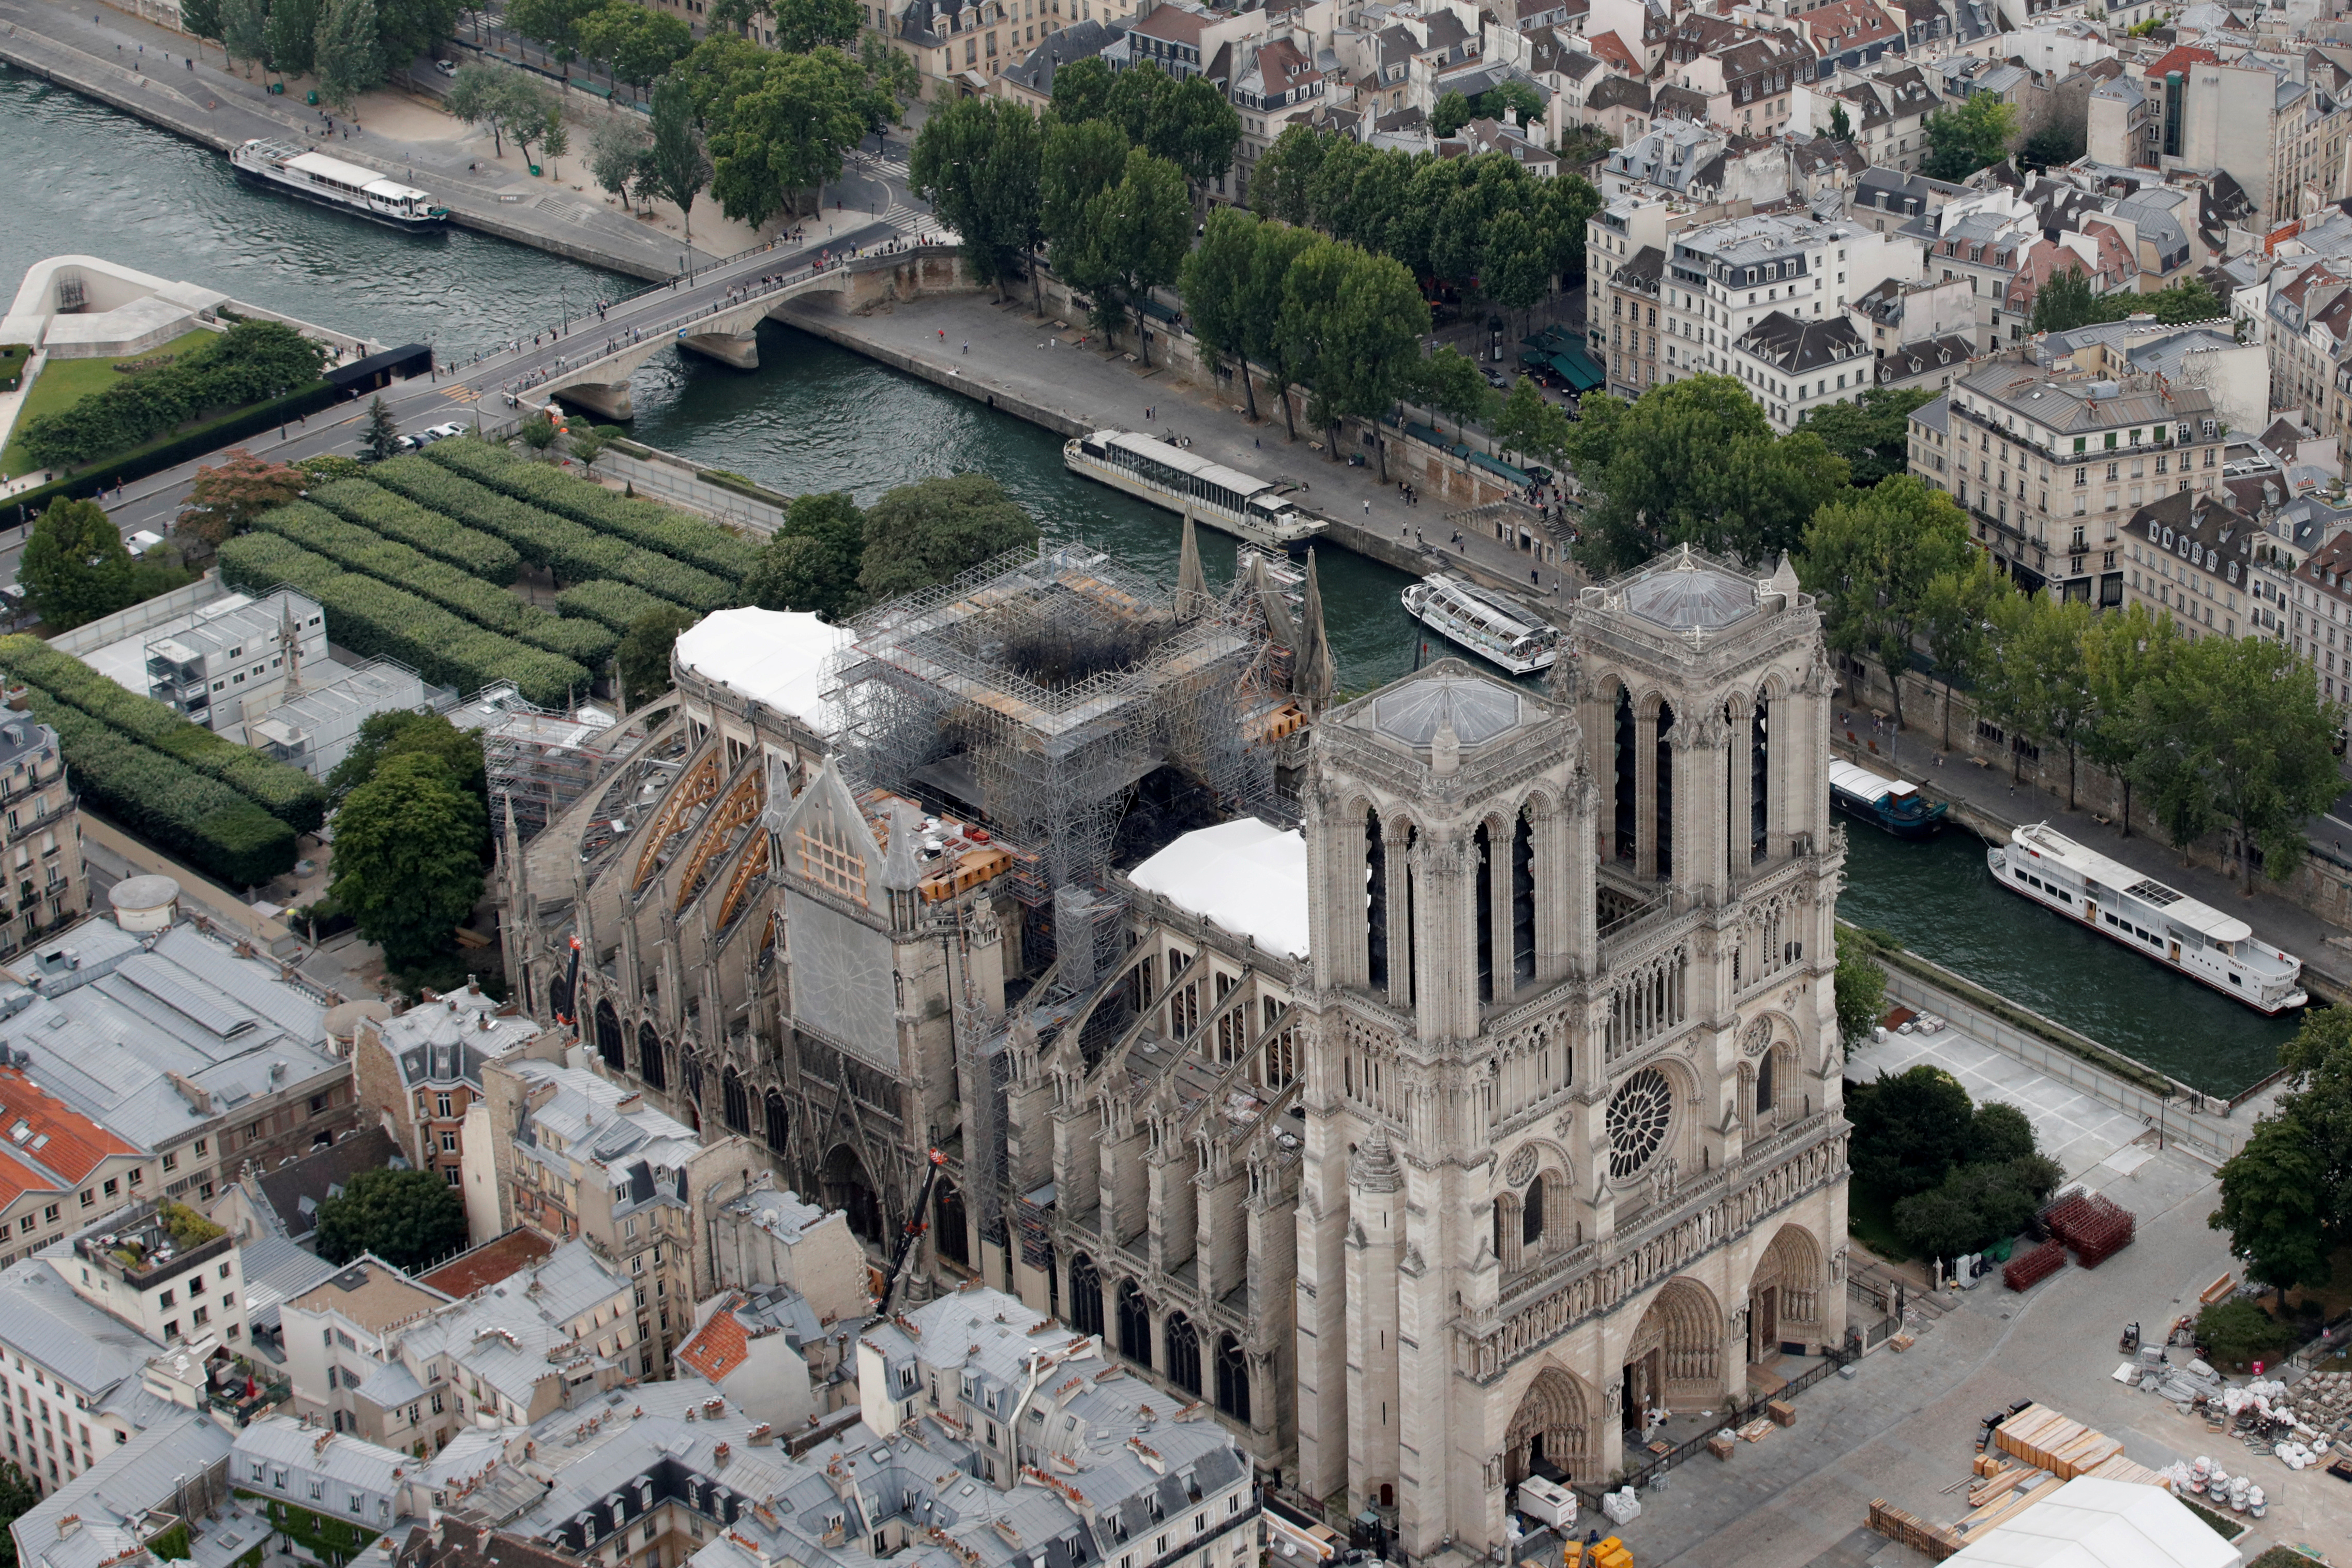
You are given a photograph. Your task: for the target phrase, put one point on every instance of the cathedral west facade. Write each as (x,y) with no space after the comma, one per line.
(1527,1123)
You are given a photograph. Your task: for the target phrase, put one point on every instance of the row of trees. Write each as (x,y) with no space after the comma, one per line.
(1481,223)
(252,362)
(2215,732)
(834,557)
(351,44)
(2066,301)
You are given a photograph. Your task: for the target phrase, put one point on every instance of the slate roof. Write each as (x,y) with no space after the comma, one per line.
(41,1320)
(1798,347)
(295,1190)
(121,1488)
(1929,356)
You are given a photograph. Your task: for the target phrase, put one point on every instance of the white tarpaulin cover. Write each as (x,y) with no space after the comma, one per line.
(2092,1522)
(780,657)
(1249,877)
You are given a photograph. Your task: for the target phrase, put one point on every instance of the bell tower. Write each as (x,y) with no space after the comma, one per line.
(1573,1152)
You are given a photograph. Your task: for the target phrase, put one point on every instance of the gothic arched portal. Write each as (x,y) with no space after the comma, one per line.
(1552,1432)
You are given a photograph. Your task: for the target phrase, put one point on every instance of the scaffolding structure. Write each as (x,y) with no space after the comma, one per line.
(539,760)
(1039,688)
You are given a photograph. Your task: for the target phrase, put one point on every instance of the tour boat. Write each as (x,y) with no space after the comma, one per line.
(2160,922)
(1161,472)
(1889,804)
(1483,622)
(331,182)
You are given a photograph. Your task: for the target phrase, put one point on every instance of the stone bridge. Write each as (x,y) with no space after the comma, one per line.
(724,326)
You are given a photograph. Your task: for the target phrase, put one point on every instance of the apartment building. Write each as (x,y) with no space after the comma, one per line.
(1722,280)
(52,1154)
(1793,367)
(326,1473)
(2050,465)
(421,1070)
(1625,273)
(42,839)
(187,1046)
(162,1268)
(2192,555)
(373,1352)
(576,1157)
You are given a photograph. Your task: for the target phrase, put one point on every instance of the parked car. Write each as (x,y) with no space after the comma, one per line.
(446,68)
(443,432)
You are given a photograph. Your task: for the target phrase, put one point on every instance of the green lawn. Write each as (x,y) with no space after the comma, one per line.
(65,381)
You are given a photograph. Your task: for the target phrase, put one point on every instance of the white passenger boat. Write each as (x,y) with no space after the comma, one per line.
(1240,504)
(1486,623)
(2159,922)
(333,182)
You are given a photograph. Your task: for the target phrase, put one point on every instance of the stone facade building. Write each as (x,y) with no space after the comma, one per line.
(1486,1067)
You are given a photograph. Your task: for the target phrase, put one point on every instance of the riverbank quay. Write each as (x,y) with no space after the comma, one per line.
(1984,800)
(1025,364)
(142,69)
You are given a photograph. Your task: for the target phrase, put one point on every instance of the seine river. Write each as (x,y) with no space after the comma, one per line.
(819,417)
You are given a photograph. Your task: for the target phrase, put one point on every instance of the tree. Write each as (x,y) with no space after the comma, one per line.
(643,657)
(1283,174)
(2124,651)
(1214,285)
(2000,1133)
(892,73)
(1963,139)
(1451,382)
(1082,92)
(2190,299)
(2036,679)
(976,161)
(676,165)
(800,26)
(2239,1332)
(1976,1204)
(2239,735)
(2273,1204)
(1953,623)
(1872,432)
(74,568)
(1581,146)
(1452,113)
(1133,239)
(400,733)
(537,433)
(1518,270)
(1514,99)
(497,99)
(1265,299)
(1694,462)
(616,149)
(2059,142)
(2064,300)
(224,499)
(586,447)
(18,1497)
(555,139)
(1197,131)
(1841,123)
(1370,331)
(637,44)
(244,31)
(1081,159)
(527,131)
(380,437)
(1861,988)
(554,24)
(1909,1129)
(204,20)
(811,561)
(350,52)
(783,132)
(931,530)
(407,28)
(407,858)
(410,1219)
(1870,556)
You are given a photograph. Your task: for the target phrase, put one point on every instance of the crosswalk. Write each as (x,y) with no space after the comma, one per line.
(459,393)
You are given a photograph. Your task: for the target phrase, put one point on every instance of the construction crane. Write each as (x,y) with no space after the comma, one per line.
(916,1224)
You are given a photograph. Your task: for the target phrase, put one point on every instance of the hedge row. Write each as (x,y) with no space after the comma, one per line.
(286,792)
(571,551)
(613,605)
(358,549)
(692,540)
(376,620)
(198,819)
(476,553)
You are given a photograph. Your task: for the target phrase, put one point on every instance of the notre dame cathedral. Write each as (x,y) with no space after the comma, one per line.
(1463,1049)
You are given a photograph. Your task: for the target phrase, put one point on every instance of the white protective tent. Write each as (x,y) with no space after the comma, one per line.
(1247,876)
(780,657)
(2092,1522)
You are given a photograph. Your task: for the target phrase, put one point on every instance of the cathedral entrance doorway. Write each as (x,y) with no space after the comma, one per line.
(1675,1360)
(1764,1327)
(1645,1389)
(1551,1435)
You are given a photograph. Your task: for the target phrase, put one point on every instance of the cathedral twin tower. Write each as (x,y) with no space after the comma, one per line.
(1574,1154)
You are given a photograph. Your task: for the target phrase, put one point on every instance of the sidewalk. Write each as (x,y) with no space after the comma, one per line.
(1015,352)
(1988,791)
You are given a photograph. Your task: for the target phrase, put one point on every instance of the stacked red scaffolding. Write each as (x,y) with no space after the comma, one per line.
(2094,1225)
(2030,1268)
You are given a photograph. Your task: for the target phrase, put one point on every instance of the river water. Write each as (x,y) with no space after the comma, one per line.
(820,417)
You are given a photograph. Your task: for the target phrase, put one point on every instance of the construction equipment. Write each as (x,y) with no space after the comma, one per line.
(2130,1340)
(567,1015)
(916,1224)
